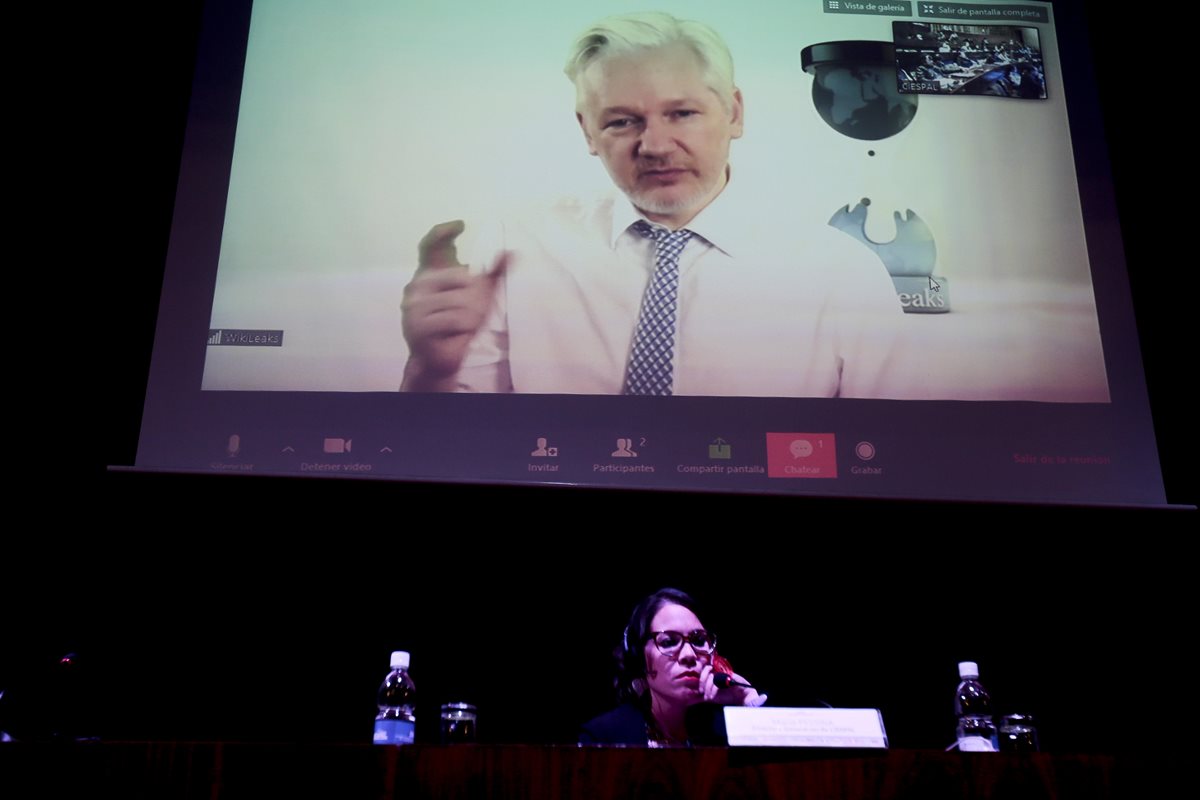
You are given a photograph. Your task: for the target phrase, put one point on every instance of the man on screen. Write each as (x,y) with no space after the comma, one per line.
(685,285)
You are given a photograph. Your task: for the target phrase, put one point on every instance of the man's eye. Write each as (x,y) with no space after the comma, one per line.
(683,113)
(618,124)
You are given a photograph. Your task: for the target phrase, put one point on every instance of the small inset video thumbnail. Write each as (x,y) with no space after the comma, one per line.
(993,60)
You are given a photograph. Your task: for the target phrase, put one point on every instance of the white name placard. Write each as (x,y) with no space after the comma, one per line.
(804,727)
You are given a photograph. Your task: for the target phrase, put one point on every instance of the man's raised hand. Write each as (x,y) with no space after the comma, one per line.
(444,307)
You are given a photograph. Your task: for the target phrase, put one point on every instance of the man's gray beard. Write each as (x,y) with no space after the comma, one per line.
(644,201)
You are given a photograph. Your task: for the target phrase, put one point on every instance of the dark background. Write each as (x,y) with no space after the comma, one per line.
(216,607)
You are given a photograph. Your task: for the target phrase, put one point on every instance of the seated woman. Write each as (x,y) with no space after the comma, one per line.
(665,669)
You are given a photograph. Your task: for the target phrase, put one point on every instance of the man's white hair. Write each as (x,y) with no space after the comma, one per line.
(627,33)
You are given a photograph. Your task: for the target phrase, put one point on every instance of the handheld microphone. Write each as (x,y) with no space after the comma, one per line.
(723,681)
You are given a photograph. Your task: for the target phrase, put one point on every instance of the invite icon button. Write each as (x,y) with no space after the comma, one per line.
(801,455)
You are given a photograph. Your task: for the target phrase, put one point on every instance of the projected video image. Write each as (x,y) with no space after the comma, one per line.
(715,200)
(993,60)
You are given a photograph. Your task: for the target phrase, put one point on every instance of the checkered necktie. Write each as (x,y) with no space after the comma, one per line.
(649,370)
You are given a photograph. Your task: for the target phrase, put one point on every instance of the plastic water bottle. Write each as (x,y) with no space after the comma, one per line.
(396,722)
(973,707)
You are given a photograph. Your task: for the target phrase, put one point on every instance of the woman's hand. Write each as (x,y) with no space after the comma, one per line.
(733,695)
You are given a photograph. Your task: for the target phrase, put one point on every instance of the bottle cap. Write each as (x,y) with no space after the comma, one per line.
(400,659)
(966,669)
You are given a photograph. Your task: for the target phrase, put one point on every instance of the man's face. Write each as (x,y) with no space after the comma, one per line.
(661,132)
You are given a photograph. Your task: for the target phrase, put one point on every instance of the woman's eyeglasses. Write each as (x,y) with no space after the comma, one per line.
(669,643)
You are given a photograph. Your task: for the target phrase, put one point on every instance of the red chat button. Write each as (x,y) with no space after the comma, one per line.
(801,455)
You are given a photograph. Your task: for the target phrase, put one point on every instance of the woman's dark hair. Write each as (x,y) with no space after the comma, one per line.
(630,653)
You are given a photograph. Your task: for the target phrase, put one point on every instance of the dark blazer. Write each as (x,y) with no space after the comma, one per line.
(626,725)
(623,725)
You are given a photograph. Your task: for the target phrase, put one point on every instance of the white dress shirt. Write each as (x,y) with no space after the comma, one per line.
(768,306)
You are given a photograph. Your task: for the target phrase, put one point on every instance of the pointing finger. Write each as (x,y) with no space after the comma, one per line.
(436,249)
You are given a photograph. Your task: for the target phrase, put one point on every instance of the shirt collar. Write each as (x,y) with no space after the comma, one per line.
(722,223)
